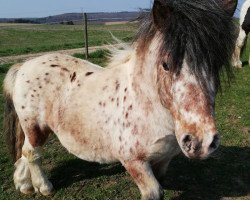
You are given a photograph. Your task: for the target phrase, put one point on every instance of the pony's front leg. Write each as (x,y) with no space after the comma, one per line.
(39,180)
(22,177)
(143,176)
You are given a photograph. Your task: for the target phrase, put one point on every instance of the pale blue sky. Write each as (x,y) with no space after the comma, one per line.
(43,8)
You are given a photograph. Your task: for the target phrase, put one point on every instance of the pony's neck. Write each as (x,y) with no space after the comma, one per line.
(145,68)
(140,65)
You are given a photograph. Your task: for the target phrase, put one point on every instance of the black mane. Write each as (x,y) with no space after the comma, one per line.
(200,31)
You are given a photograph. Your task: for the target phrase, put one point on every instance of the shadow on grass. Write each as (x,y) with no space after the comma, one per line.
(76,170)
(227,174)
(245,64)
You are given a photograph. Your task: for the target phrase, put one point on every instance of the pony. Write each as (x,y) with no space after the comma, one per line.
(243,34)
(155,99)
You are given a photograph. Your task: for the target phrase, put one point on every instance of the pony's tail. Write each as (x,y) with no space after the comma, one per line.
(12,127)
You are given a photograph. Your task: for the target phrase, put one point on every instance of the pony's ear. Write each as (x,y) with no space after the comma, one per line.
(160,13)
(230,6)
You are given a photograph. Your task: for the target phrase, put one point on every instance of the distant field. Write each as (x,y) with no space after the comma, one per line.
(16,39)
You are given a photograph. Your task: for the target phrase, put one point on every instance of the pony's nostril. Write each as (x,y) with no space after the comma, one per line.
(187,138)
(215,142)
(187,142)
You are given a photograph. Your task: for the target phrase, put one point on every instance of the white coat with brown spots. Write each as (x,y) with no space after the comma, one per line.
(135,111)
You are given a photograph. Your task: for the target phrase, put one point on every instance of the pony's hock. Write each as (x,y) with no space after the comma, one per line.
(155,99)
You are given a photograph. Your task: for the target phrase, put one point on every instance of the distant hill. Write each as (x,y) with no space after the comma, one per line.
(76,18)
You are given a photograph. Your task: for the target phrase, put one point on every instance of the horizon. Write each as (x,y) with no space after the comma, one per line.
(31,9)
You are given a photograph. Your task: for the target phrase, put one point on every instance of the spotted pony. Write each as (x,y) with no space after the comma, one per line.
(155,98)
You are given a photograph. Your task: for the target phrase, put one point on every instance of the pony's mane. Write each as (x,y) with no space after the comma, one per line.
(119,52)
(199,31)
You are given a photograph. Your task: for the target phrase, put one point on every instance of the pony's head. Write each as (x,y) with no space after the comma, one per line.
(191,42)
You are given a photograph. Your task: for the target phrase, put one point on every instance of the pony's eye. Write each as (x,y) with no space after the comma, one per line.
(165,66)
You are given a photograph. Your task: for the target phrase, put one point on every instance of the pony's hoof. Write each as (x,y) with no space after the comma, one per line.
(47,190)
(27,189)
(239,65)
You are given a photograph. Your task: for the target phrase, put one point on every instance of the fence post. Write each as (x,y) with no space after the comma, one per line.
(86,35)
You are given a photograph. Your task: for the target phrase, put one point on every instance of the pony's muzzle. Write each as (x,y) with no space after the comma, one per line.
(194,148)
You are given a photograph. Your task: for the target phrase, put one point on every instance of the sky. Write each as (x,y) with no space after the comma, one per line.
(44,8)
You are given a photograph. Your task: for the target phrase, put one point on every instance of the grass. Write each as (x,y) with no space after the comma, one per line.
(24,39)
(224,176)
(99,57)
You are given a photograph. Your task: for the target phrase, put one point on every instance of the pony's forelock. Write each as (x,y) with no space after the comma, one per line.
(199,31)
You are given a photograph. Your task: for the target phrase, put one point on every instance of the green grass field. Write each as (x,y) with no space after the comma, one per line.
(226,175)
(23,39)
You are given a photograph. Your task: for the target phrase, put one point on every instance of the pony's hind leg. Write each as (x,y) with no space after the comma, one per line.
(31,157)
(241,41)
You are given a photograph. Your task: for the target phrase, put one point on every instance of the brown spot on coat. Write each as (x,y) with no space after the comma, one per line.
(135,173)
(126,116)
(117,85)
(130,107)
(105,87)
(37,136)
(89,73)
(46,74)
(73,77)
(148,107)
(54,65)
(27,81)
(23,107)
(117,101)
(65,69)
(128,124)
(141,156)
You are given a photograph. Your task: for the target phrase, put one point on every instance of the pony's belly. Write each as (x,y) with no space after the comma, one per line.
(87,149)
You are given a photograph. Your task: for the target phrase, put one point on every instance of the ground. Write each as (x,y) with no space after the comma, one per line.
(226,175)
